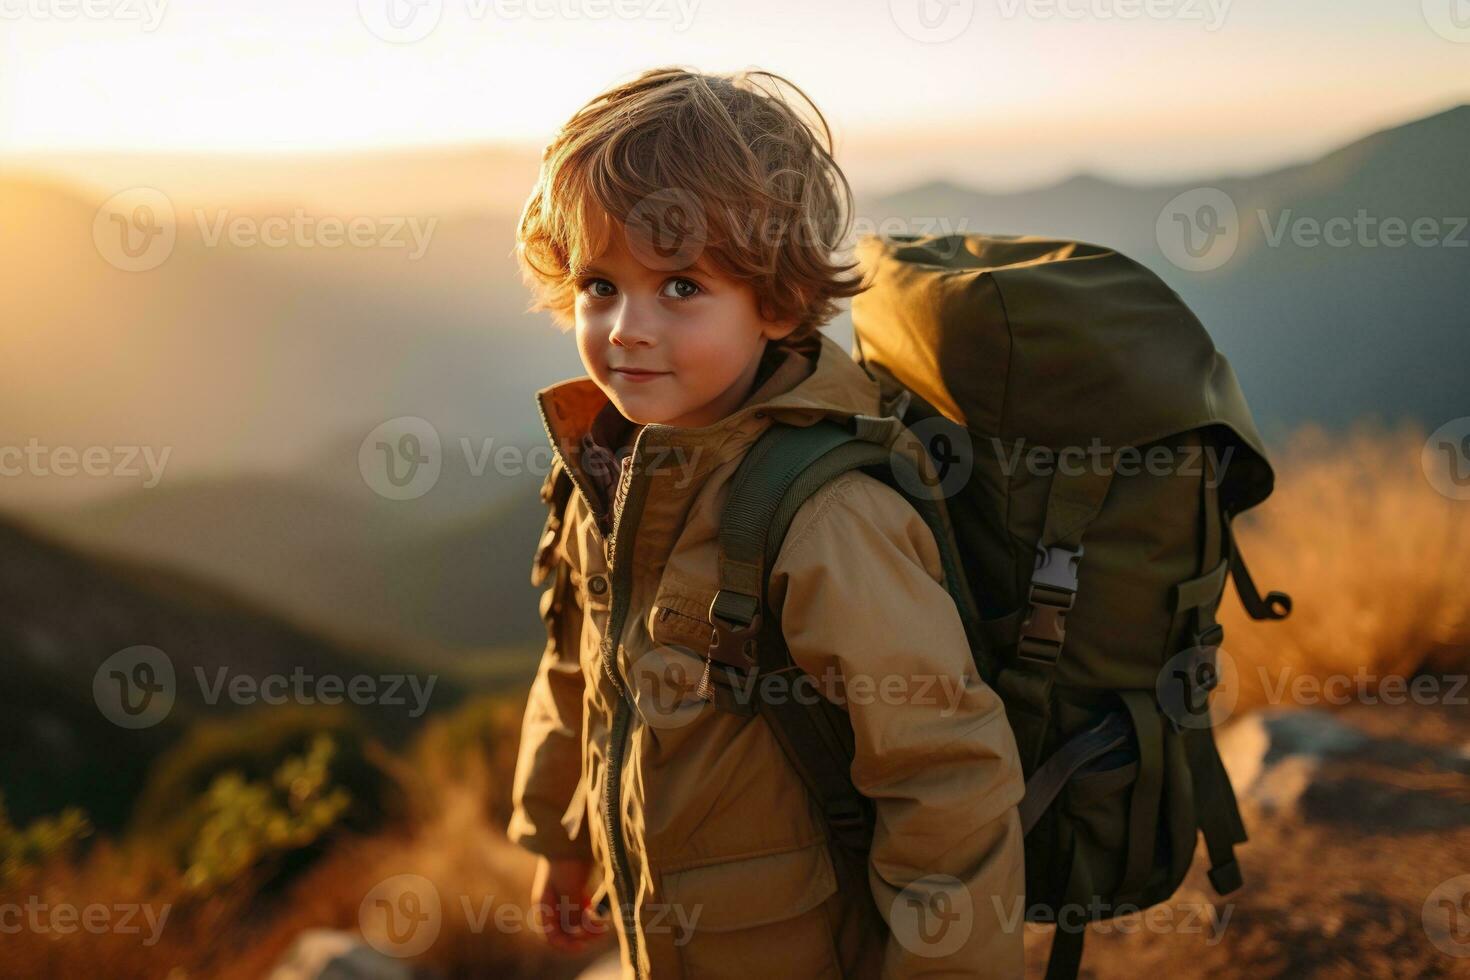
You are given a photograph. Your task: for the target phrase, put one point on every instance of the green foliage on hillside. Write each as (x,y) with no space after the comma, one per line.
(249,824)
(25,847)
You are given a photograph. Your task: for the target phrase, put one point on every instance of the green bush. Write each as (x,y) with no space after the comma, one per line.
(22,848)
(254,745)
(249,825)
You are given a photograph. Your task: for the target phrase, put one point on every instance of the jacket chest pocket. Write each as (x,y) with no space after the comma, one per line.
(680,629)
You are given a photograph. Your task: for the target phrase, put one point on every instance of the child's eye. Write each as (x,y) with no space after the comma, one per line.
(693,288)
(590,287)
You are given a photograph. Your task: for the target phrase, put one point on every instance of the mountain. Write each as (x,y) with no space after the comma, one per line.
(1318,331)
(252,358)
(394,572)
(260,371)
(69,625)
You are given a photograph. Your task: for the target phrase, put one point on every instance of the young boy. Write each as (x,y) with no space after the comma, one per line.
(684,224)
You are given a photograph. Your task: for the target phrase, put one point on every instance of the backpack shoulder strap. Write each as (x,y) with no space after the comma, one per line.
(780,472)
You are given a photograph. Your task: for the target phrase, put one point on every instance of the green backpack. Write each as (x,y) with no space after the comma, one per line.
(1087,585)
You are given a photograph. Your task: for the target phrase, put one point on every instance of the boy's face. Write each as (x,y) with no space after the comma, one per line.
(697,334)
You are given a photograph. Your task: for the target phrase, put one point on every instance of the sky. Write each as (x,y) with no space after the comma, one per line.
(1009,91)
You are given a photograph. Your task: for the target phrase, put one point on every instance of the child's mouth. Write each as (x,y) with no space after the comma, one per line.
(632,375)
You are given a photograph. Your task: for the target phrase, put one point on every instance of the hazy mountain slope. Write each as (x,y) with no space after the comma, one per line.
(1317,332)
(63,613)
(278,363)
(398,572)
(252,358)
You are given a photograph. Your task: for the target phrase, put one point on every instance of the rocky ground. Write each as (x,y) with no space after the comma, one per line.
(1357,866)
(1358,862)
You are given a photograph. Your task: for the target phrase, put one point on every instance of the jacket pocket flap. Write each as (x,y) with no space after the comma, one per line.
(676,620)
(753,891)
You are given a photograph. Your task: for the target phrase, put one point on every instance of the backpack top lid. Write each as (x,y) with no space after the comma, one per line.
(1056,343)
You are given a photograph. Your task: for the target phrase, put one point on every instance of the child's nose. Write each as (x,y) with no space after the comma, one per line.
(630,328)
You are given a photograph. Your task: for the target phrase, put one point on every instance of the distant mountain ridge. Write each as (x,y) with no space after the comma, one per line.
(64,613)
(1318,332)
(281,362)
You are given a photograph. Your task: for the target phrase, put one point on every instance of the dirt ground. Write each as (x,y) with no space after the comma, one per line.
(1336,885)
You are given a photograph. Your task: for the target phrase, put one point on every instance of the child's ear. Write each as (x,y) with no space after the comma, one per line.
(777,329)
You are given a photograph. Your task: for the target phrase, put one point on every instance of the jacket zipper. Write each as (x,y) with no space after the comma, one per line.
(632,488)
(625,522)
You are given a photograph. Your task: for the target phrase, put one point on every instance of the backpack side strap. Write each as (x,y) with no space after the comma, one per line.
(1275,605)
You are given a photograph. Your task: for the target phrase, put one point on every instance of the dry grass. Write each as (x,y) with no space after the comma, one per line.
(457,774)
(1376,561)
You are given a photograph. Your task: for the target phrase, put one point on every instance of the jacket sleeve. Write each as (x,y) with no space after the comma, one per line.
(548,798)
(860,588)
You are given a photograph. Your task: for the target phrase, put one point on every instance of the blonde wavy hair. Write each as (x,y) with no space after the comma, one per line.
(692,165)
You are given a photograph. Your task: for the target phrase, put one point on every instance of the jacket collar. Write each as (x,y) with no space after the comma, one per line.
(816,380)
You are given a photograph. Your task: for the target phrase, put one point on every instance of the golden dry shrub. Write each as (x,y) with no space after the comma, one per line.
(1377,562)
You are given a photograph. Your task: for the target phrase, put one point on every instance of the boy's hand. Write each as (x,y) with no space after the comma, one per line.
(561,912)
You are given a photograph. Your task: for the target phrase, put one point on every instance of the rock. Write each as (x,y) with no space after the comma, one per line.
(328,954)
(608,967)
(1316,765)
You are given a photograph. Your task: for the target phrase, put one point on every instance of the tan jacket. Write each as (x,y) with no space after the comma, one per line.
(713,855)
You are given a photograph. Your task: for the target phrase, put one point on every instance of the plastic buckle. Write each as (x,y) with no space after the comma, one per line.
(1056,568)
(1053,590)
(730,633)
